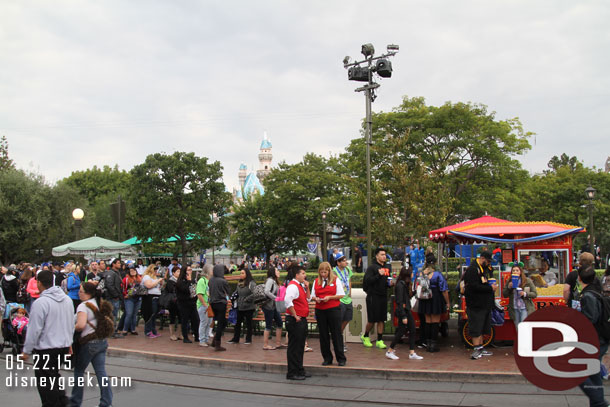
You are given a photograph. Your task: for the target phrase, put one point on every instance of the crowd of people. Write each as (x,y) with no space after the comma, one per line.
(87,299)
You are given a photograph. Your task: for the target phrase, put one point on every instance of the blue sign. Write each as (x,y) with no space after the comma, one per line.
(312,247)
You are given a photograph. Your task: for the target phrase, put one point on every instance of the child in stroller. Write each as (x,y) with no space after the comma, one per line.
(13,327)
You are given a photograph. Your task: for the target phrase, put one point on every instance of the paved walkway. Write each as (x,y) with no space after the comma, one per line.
(452,362)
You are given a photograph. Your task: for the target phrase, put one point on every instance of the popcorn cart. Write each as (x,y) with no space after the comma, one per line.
(543,247)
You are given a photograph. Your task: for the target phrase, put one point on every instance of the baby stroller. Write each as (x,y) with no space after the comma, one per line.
(11,339)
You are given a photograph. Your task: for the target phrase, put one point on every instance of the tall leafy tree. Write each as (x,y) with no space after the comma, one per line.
(179,195)
(429,165)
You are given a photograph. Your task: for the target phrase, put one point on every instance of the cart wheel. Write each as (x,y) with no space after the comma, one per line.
(468,339)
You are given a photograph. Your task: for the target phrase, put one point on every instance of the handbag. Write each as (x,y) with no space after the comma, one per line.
(232,319)
(414,304)
(210,311)
(193,290)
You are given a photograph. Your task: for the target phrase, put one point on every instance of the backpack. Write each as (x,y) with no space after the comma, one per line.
(258,296)
(280,305)
(64,285)
(23,297)
(105,322)
(603,324)
(422,287)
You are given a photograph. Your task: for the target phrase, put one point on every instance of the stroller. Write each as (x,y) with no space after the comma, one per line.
(11,339)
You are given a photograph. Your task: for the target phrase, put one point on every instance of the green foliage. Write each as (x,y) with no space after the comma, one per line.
(179,195)
(429,165)
(5,162)
(101,187)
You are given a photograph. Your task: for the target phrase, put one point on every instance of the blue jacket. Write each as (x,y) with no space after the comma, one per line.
(73,285)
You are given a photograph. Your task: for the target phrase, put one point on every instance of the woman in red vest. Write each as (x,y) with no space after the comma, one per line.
(327,291)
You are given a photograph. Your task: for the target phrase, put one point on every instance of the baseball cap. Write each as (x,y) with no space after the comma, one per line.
(339,256)
(486,255)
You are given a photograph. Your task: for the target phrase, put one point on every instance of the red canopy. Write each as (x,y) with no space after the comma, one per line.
(440,235)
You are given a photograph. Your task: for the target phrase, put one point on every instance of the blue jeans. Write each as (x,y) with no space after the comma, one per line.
(593,387)
(132,306)
(272,315)
(149,325)
(116,306)
(204,324)
(520,315)
(93,352)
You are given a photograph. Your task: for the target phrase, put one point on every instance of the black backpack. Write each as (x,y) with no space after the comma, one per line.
(603,324)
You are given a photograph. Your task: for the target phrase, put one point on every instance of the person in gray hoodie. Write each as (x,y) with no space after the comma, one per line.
(50,333)
(219,294)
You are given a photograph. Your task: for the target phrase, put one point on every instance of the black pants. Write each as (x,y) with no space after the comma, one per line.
(329,322)
(188,314)
(402,328)
(243,316)
(220,310)
(47,365)
(297,335)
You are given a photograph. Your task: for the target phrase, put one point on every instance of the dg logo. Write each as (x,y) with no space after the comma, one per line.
(557,348)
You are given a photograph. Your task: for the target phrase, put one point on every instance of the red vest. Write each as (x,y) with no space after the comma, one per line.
(301,307)
(325,292)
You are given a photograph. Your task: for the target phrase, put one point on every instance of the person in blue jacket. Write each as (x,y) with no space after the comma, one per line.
(73,284)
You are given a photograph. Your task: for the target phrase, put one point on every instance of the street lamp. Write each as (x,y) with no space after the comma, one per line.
(590,194)
(324,251)
(356,72)
(77,215)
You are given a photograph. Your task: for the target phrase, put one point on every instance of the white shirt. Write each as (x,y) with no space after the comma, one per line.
(292,293)
(340,289)
(82,307)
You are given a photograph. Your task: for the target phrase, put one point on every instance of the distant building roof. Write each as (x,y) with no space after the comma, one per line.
(238,194)
(252,184)
(266,143)
(243,167)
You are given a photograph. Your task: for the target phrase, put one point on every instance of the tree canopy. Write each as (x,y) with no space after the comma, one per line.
(179,195)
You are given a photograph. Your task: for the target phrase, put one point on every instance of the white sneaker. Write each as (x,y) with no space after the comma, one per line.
(203,344)
(391,355)
(345,348)
(415,356)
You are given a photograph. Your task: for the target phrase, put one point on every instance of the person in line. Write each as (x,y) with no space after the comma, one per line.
(327,292)
(172,305)
(270,311)
(591,307)
(479,302)
(50,334)
(22,292)
(203,302)
(344,275)
(520,298)
(186,294)
(403,291)
(133,302)
(150,302)
(570,293)
(73,284)
(245,306)
(113,291)
(93,351)
(10,284)
(375,284)
(297,310)
(434,307)
(32,290)
(219,296)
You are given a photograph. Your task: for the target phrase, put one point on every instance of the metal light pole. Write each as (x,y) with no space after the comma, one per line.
(383,68)
(77,215)
(590,194)
(324,247)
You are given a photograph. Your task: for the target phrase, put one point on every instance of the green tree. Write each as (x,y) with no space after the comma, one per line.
(179,195)
(297,194)
(429,165)
(5,161)
(255,228)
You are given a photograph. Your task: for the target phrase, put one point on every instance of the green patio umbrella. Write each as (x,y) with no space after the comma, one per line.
(92,245)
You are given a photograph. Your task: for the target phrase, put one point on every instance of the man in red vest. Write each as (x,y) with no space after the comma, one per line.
(297,310)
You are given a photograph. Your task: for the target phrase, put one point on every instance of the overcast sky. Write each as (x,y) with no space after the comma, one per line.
(86,83)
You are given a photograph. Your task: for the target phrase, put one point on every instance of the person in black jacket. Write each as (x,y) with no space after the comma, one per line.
(219,294)
(113,291)
(187,303)
(403,291)
(10,284)
(479,302)
(375,284)
(591,307)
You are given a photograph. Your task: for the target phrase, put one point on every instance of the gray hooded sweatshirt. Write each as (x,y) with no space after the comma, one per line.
(219,287)
(51,323)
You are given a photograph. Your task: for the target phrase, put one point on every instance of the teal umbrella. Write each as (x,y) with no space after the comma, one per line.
(92,245)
